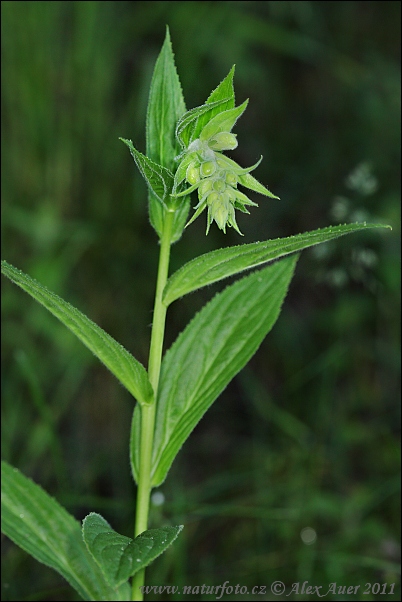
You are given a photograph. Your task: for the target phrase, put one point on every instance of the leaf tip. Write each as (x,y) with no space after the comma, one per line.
(167,34)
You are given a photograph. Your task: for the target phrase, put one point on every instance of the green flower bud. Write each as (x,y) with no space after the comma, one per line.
(212,198)
(204,187)
(222,141)
(216,176)
(193,173)
(207,168)
(220,210)
(231,179)
(221,162)
(219,186)
(232,194)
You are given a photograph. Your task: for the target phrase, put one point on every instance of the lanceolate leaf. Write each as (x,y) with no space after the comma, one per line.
(219,264)
(44,529)
(212,349)
(223,122)
(165,107)
(120,362)
(225,90)
(252,183)
(120,557)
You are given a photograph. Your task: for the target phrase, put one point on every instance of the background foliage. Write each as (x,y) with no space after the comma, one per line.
(307,435)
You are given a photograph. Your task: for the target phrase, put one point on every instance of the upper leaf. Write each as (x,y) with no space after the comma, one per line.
(120,557)
(225,91)
(120,362)
(216,344)
(219,264)
(44,529)
(223,122)
(158,178)
(165,107)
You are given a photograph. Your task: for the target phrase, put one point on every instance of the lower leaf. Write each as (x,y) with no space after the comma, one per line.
(39,525)
(120,557)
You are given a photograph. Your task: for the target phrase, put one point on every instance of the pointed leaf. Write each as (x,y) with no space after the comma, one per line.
(223,122)
(219,264)
(250,182)
(165,107)
(225,90)
(160,182)
(212,349)
(44,529)
(120,362)
(159,179)
(120,557)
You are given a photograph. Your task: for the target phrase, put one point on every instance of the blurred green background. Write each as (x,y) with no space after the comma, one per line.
(307,435)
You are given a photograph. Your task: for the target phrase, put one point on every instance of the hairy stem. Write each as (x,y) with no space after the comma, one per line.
(148,412)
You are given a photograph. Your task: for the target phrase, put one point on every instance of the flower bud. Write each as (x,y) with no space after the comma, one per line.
(222,141)
(231,179)
(207,168)
(212,198)
(193,173)
(219,210)
(232,194)
(204,187)
(219,186)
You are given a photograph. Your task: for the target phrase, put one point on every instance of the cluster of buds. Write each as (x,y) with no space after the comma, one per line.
(216,177)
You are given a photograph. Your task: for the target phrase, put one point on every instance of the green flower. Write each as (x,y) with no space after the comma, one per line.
(214,175)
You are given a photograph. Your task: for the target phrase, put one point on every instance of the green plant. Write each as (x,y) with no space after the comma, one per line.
(184,154)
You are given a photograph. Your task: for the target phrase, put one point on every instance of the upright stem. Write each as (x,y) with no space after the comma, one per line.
(148,412)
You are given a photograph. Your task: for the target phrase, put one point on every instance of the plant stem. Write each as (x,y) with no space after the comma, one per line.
(148,412)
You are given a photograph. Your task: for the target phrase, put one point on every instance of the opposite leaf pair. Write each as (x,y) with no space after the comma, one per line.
(120,557)
(94,559)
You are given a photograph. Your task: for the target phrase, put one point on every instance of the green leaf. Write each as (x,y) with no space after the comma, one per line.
(39,525)
(157,215)
(223,122)
(160,182)
(252,183)
(225,91)
(211,350)
(165,107)
(180,218)
(219,264)
(120,362)
(120,557)
(185,126)
(158,178)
